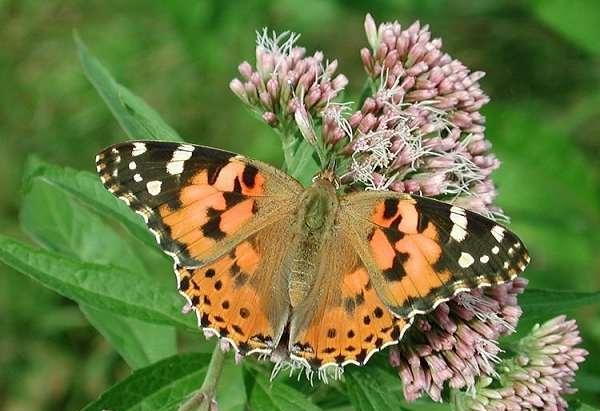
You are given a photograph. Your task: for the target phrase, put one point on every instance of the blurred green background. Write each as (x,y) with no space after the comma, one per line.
(542,60)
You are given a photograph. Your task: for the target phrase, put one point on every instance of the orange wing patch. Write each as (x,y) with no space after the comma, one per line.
(227,302)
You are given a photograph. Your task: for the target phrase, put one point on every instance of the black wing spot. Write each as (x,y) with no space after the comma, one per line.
(244,312)
(249,175)
(331,333)
(212,228)
(210,273)
(213,171)
(184,284)
(396,272)
(390,208)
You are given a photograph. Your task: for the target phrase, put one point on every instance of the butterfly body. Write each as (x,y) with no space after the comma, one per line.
(314,220)
(324,277)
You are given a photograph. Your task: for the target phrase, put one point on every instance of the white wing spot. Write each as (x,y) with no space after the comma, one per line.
(187,147)
(458,217)
(465,260)
(175,166)
(458,233)
(511,251)
(498,233)
(517,245)
(495,250)
(484,259)
(132,165)
(154,187)
(457,210)
(138,148)
(137,178)
(115,172)
(506,265)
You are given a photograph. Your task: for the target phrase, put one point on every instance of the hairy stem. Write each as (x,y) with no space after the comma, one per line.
(204,398)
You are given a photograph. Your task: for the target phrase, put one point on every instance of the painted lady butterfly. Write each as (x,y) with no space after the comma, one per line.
(330,278)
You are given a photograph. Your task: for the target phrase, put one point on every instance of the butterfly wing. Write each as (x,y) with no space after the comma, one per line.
(242,295)
(420,252)
(198,201)
(342,319)
(214,212)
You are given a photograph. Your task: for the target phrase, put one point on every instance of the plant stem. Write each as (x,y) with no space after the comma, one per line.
(367,91)
(205,397)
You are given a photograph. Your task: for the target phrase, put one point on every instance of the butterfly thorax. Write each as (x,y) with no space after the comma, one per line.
(317,211)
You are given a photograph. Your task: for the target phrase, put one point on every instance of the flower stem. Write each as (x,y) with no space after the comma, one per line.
(204,399)
(367,91)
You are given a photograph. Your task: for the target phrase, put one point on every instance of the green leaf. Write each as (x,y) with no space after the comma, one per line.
(139,343)
(59,221)
(303,165)
(135,117)
(266,396)
(537,303)
(370,389)
(160,387)
(88,189)
(579,406)
(100,286)
(231,394)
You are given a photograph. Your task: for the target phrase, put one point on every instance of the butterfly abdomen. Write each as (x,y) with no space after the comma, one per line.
(316,215)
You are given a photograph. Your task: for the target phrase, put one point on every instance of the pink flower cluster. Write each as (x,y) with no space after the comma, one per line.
(457,342)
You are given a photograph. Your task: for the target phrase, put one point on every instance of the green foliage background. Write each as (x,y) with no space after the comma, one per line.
(543,63)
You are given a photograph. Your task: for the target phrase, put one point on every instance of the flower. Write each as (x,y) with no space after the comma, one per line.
(539,374)
(421,130)
(285,79)
(457,342)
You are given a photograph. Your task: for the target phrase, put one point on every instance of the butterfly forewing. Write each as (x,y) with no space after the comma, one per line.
(421,252)
(198,201)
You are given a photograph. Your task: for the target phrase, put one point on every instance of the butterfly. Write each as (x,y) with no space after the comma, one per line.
(327,277)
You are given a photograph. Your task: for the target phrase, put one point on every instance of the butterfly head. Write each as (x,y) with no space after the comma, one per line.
(327,175)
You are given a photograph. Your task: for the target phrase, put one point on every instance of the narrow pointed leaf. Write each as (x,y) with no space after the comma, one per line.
(87,188)
(538,303)
(100,286)
(135,117)
(163,386)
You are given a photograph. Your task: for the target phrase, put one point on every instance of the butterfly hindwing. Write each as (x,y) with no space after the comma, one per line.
(198,201)
(421,252)
(342,320)
(234,296)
